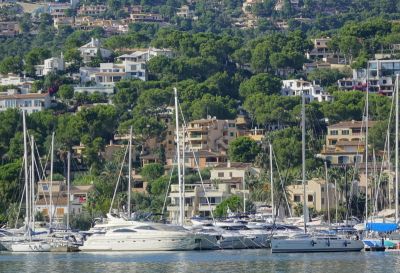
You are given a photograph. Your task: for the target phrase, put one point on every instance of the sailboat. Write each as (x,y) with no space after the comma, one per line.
(375,242)
(28,243)
(312,242)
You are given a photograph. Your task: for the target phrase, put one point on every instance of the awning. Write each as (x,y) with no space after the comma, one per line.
(382,227)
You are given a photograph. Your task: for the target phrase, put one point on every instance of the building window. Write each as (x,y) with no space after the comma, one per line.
(345,132)
(322,201)
(310,198)
(212,200)
(322,189)
(334,132)
(220,174)
(232,134)
(297,198)
(188,201)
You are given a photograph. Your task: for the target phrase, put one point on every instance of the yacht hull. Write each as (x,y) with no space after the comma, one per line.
(132,243)
(30,247)
(315,245)
(257,241)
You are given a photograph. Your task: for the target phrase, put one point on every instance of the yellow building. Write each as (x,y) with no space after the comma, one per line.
(345,142)
(316,194)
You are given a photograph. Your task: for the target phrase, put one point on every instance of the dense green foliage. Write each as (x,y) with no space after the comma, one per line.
(243,149)
(218,70)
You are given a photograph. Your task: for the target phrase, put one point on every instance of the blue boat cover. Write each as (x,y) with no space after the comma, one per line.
(382,227)
(369,243)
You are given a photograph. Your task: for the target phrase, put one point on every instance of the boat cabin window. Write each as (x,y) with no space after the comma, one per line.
(145,228)
(124,230)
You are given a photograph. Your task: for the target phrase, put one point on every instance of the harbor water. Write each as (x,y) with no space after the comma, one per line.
(227,261)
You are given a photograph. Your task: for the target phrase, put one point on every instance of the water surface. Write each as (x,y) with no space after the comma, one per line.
(226,261)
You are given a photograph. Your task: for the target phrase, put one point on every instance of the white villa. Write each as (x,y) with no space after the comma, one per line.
(90,50)
(53,64)
(144,55)
(311,90)
(24,84)
(31,102)
(110,73)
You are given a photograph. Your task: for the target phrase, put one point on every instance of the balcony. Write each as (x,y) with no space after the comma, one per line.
(198,146)
(173,208)
(212,164)
(194,137)
(198,129)
(206,207)
(328,149)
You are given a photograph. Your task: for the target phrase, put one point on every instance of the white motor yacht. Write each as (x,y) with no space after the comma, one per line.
(143,237)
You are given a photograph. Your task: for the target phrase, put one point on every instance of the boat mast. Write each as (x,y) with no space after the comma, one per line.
(272,180)
(129,172)
(183,165)
(27,216)
(32,182)
(244,193)
(397,152)
(303,158)
(51,179)
(366,150)
(389,165)
(68,185)
(327,194)
(178,149)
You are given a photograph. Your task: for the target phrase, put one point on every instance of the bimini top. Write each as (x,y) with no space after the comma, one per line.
(381,227)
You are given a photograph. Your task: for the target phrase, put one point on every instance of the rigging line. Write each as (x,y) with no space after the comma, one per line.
(356,165)
(386,145)
(282,184)
(196,163)
(37,171)
(169,184)
(119,178)
(45,163)
(23,193)
(41,165)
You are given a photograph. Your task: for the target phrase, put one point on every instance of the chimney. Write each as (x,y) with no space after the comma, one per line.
(228,164)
